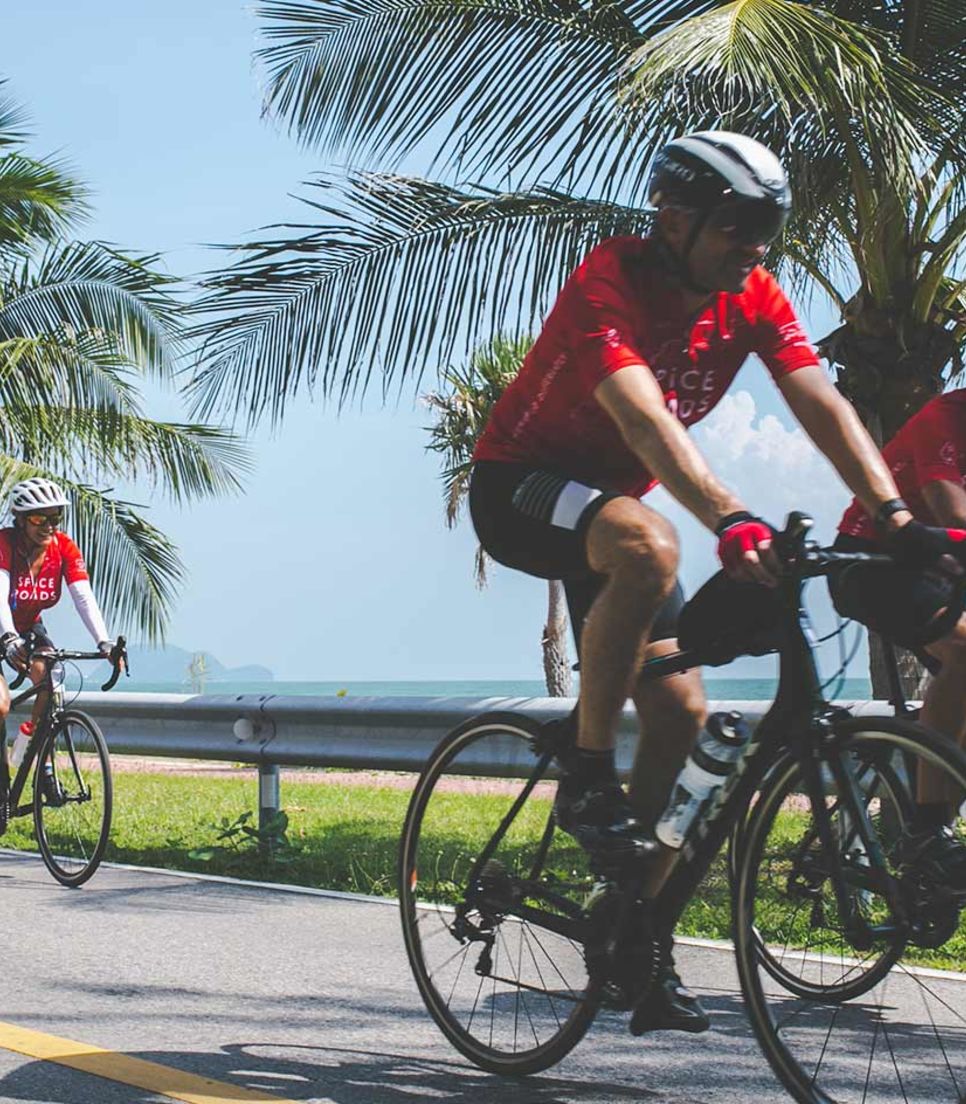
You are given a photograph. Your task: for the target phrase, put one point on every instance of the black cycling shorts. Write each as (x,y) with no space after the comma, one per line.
(536,521)
(899,603)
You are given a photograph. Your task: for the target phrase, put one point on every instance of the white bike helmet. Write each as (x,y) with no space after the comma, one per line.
(36,494)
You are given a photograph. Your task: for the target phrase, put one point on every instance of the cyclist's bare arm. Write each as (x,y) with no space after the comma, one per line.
(947,501)
(832,423)
(633,398)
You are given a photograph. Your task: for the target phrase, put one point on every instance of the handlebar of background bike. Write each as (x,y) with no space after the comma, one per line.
(117,655)
(811,560)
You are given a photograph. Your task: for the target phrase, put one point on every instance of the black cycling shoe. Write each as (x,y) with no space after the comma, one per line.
(668,1005)
(937,855)
(600,818)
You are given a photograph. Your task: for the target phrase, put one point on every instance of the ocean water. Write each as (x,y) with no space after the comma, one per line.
(759,689)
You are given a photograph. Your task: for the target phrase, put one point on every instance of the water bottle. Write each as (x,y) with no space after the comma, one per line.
(19,749)
(718,748)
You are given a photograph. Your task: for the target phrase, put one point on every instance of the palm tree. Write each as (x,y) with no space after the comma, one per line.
(461,413)
(79,323)
(557,108)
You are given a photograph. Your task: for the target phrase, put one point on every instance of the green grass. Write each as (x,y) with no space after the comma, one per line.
(347,838)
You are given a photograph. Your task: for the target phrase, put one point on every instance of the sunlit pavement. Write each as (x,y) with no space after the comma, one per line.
(298,997)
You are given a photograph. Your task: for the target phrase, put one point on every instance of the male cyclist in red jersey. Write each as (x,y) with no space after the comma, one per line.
(927,457)
(644,339)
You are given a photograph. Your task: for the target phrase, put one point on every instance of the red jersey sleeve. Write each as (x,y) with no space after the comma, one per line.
(5,549)
(938,442)
(779,338)
(74,569)
(604,316)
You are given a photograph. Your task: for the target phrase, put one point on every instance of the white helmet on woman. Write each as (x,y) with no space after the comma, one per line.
(36,494)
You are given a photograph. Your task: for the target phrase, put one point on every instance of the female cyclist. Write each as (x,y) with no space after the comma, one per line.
(36,558)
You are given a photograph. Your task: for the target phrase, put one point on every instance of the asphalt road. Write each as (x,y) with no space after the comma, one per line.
(303,997)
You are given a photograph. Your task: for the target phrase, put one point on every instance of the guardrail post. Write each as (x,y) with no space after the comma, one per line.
(269,799)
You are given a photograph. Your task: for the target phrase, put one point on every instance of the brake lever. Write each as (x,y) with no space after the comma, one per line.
(118,654)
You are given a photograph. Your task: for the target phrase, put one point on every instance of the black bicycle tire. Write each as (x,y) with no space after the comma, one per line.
(797,1081)
(78,878)
(831,993)
(575,1027)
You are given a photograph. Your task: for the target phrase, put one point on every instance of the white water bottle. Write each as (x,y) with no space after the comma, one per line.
(19,749)
(718,748)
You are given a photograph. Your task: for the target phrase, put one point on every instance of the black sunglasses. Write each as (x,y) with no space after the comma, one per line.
(749,221)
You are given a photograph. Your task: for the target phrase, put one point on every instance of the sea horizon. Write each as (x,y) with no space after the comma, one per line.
(717,689)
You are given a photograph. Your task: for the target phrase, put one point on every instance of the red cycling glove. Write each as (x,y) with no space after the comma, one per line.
(739,533)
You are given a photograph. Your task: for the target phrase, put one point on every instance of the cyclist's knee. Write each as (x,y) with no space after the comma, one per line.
(629,540)
(4,700)
(951,650)
(678,703)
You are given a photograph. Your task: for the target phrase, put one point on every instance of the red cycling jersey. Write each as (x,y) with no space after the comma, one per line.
(615,310)
(930,446)
(30,595)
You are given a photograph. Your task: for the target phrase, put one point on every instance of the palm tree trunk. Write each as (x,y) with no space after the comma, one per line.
(556,661)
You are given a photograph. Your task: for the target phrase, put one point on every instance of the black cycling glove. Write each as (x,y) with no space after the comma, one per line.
(921,545)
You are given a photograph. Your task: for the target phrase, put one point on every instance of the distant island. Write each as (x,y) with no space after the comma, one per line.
(172,664)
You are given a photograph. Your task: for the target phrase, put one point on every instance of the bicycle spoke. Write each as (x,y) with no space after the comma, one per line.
(522,1002)
(869,1026)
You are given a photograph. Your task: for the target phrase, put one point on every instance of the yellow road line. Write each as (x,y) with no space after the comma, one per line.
(163,1080)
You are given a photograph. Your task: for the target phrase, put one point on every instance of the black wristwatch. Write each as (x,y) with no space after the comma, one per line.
(887,509)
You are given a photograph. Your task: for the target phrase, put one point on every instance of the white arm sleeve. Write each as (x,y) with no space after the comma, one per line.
(6,613)
(88,609)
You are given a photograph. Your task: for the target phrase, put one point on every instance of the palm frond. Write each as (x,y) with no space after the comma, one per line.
(182,461)
(38,201)
(135,569)
(525,86)
(13,120)
(403,274)
(819,90)
(463,407)
(90,289)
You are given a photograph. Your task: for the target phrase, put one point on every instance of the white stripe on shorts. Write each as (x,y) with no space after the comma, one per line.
(571,503)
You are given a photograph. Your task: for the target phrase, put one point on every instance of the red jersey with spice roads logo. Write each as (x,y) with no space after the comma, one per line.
(930,446)
(615,310)
(30,596)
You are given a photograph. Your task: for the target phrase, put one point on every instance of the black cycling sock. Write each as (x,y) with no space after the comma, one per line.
(595,767)
(931,817)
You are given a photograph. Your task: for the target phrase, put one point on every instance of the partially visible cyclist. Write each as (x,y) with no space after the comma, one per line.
(36,559)
(906,604)
(643,341)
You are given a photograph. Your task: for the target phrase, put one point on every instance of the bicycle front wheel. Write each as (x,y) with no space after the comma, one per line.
(823,886)
(491,899)
(73,798)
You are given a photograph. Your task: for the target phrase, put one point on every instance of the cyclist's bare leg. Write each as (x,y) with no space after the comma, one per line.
(636,549)
(672,712)
(944,708)
(4,699)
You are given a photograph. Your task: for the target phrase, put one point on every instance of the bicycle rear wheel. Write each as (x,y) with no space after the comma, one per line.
(72,807)
(491,899)
(902,1035)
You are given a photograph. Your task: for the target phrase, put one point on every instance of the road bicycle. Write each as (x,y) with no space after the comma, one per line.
(517,938)
(71,794)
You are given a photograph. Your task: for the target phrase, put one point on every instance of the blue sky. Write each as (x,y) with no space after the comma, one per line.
(336,563)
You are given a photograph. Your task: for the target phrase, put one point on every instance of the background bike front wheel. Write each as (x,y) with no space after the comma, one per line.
(846,1019)
(496,956)
(73,799)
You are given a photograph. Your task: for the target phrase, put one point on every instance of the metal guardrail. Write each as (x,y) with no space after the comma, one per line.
(272,731)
